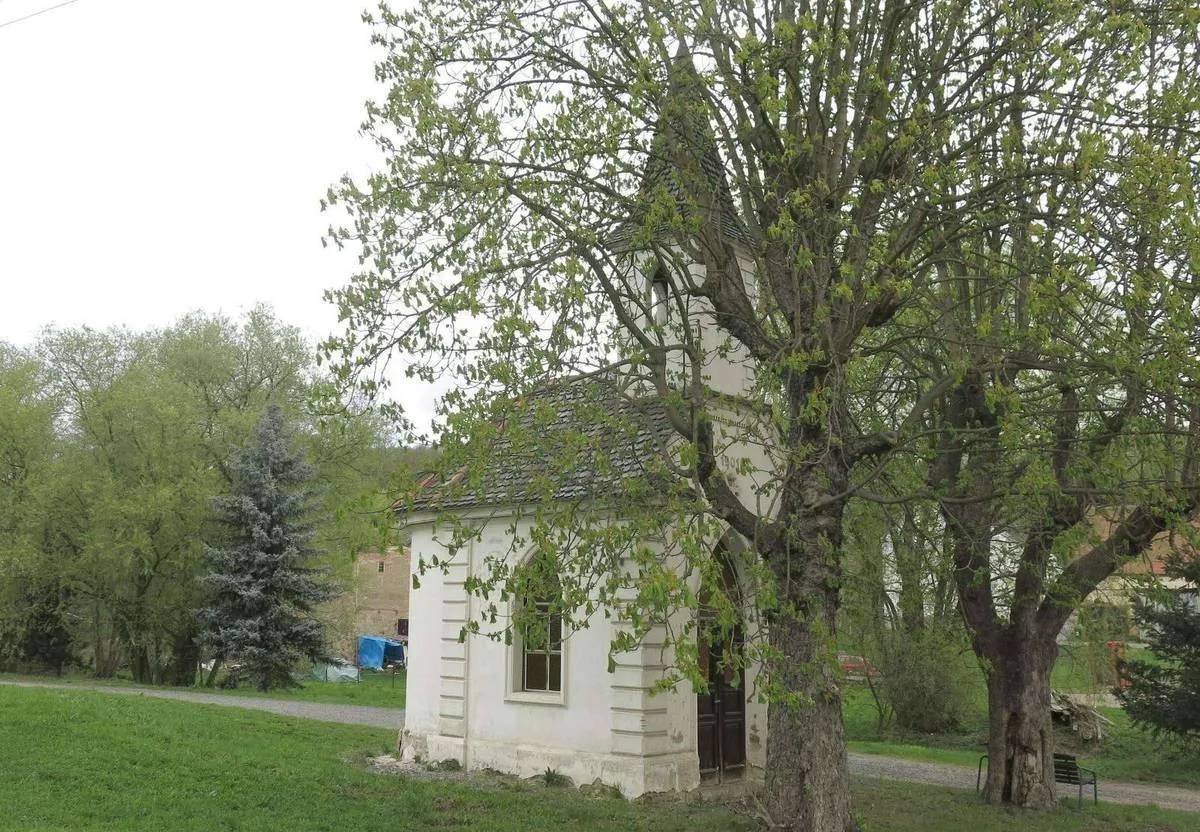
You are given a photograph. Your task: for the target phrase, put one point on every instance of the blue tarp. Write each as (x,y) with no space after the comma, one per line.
(376,651)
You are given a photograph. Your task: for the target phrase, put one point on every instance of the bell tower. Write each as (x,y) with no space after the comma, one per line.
(684,227)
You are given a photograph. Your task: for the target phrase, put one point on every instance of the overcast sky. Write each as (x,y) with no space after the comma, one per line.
(160,157)
(163,157)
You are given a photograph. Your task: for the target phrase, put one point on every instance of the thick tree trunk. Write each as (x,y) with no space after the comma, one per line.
(1020,738)
(106,646)
(807,775)
(808,781)
(107,658)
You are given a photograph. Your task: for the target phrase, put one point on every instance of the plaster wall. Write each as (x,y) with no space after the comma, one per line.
(424,639)
(728,368)
(501,713)
(462,701)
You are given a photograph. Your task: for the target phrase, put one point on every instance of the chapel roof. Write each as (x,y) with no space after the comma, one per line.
(685,160)
(572,440)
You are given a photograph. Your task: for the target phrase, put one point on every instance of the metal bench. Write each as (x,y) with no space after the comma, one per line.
(1066,770)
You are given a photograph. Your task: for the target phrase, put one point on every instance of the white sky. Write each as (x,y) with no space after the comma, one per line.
(162,157)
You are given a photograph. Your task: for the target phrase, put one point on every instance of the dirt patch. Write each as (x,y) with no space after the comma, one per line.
(390,764)
(490,779)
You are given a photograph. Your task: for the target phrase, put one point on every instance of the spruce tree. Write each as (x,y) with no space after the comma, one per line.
(262,592)
(1164,695)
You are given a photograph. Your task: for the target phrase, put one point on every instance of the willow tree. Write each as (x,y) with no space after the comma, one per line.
(111,444)
(33,622)
(558,175)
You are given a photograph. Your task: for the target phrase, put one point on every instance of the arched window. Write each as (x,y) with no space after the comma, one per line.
(660,295)
(538,629)
(541,646)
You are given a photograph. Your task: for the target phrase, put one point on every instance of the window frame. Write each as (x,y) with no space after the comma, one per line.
(660,298)
(548,620)
(543,606)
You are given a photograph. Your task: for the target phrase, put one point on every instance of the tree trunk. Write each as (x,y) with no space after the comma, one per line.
(807,773)
(211,679)
(185,659)
(140,664)
(1020,737)
(908,548)
(106,648)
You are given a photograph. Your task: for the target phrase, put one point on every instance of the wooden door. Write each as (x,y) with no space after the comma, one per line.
(731,714)
(721,715)
(709,729)
(721,710)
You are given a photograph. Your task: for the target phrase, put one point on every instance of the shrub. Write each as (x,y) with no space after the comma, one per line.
(926,680)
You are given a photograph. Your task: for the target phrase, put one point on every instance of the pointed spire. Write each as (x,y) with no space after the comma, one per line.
(684,158)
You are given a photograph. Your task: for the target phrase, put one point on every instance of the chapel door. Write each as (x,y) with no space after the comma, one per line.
(708,725)
(721,710)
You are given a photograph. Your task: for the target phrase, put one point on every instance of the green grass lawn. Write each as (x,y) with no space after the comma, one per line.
(379,690)
(81,760)
(84,760)
(1126,753)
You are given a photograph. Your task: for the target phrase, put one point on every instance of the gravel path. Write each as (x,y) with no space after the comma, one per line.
(963,777)
(870,765)
(391,718)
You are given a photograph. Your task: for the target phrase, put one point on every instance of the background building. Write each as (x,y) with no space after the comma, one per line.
(375,601)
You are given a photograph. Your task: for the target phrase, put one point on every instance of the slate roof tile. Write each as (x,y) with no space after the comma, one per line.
(579,439)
